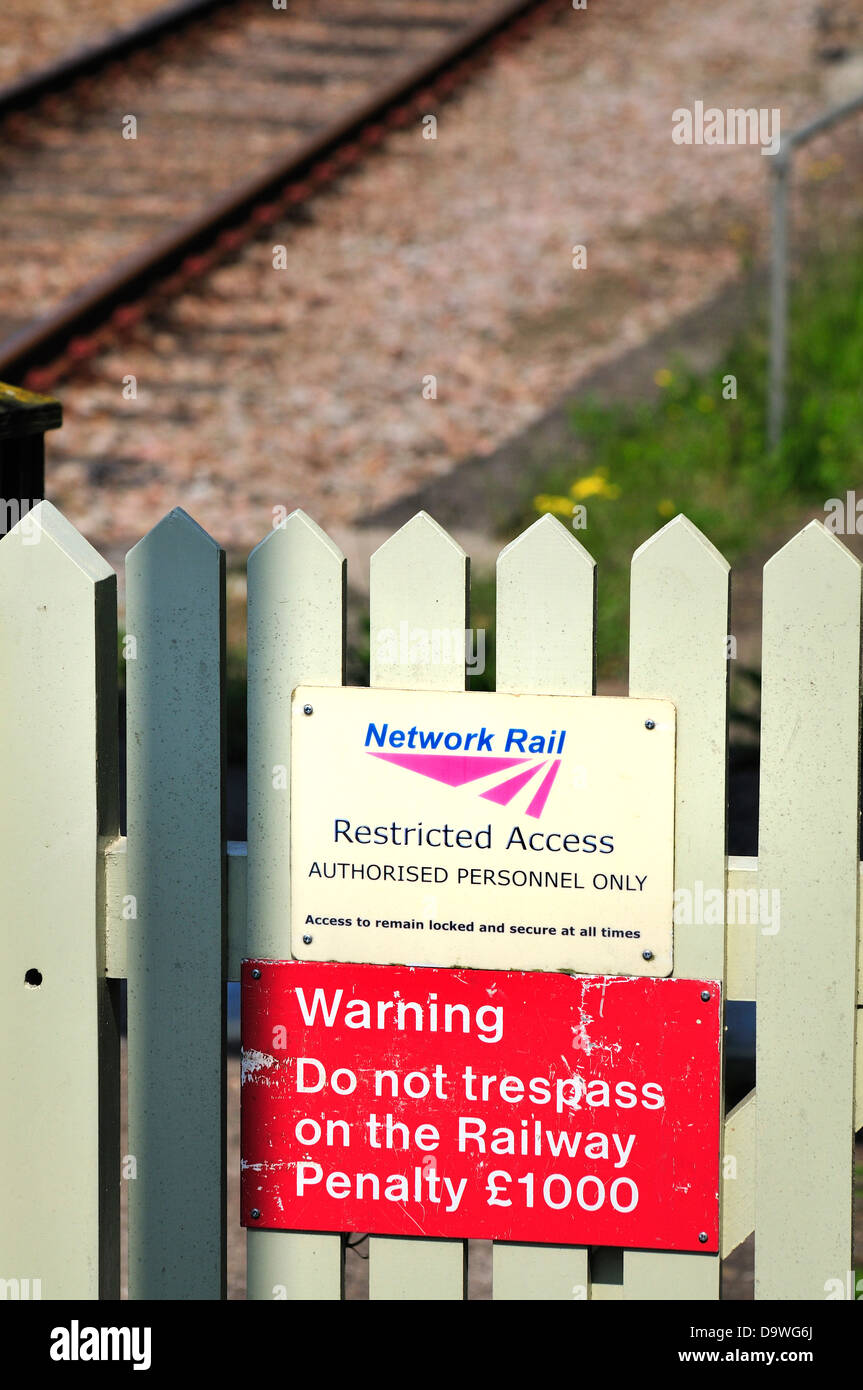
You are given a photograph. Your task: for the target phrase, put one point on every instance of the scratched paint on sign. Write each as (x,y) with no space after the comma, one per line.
(510,1105)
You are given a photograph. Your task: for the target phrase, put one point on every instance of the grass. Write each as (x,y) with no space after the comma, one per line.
(700,447)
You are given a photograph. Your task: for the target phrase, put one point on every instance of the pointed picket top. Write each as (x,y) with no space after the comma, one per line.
(814,547)
(545,533)
(679,595)
(421,535)
(176,530)
(296,588)
(546,604)
(418,587)
(680,539)
(300,534)
(679,598)
(45,523)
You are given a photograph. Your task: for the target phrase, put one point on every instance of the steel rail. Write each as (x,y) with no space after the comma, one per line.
(30,89)
(87,320)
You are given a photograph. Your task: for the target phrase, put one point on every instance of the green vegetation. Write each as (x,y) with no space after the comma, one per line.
(700,450)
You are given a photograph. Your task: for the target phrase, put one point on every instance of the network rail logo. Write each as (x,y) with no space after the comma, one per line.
(526,762)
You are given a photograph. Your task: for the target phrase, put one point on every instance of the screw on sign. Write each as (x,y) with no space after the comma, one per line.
(485,803)
(555,1108)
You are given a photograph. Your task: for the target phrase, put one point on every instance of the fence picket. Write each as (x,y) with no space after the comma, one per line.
(546,607)
(678,635)
(546,613)
(810,758)
(59,1092)
(86,907)
(296,587)
(419,577)
(176,943)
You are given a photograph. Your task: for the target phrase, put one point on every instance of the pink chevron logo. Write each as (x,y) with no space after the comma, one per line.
(458,769)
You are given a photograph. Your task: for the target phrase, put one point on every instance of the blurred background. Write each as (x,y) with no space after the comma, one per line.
(509,292)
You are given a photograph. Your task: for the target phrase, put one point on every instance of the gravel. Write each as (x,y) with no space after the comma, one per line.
(447,258)
(32,41)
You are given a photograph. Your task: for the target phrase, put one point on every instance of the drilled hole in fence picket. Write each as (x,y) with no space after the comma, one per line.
(33,979)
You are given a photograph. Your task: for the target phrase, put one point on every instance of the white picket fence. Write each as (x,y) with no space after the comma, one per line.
(173,910)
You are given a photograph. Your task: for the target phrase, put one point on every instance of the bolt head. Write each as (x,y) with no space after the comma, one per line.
(650,723)
(308,709)
(647,955)
(307,941)
(702,1236)
(256,974)
(705,995)
(256,1216)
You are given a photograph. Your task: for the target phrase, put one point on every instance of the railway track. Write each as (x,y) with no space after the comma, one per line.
(24,90)
(152,170)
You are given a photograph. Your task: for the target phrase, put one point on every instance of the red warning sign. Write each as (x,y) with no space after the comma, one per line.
(530,1106)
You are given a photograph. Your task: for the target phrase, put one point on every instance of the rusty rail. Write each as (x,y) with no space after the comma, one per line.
(48,349)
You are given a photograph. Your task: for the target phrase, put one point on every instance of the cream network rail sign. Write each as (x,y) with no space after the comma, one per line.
(484,830)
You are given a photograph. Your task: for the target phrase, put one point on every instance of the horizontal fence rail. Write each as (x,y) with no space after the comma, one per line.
(172,908)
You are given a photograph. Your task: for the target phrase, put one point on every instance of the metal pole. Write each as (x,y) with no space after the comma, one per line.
(779,259)
(778,300)
(24,418)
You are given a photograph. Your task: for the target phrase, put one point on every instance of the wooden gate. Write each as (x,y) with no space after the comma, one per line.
(173,910)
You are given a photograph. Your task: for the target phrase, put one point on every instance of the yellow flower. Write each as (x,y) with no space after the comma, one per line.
(666,507)
(594,485)
(560,506)
(663,377)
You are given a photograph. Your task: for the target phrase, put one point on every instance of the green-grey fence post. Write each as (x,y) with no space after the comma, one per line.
(175,624)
